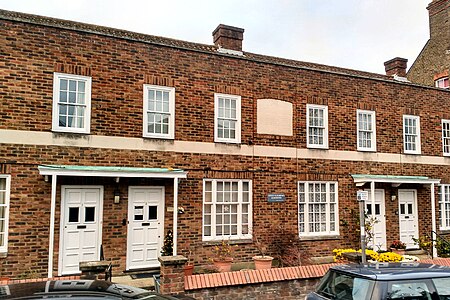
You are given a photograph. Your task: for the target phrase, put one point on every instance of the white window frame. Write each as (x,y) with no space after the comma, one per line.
(417,135)
(444,200)
(328,232)
(360,130)
(7,191)
(214,203)
(446,137)
(237,120)
(171,131)
(56,104)
(441,81)
(324,108)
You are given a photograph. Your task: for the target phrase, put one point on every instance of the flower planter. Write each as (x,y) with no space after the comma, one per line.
(398,251)
(188,270)
(223,265)
(262,262)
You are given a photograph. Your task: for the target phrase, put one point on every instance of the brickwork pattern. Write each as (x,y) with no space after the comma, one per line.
(119,67)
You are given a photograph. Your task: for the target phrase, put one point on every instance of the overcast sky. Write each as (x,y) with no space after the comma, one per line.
(356,34)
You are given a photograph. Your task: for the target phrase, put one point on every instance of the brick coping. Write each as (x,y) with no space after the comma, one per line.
(202,281)
(4,281)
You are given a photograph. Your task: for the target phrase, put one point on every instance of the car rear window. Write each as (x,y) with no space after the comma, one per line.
(337,285)
(442,287)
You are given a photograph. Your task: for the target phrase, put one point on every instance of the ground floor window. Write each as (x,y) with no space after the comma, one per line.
(4,211)
(227,209)
(317,208)
(444,193)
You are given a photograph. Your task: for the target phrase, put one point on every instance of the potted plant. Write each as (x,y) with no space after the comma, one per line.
(189,267)
(262,261)
(398,247)
(222,256)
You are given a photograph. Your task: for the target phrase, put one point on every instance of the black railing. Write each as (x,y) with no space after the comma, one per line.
(441,243)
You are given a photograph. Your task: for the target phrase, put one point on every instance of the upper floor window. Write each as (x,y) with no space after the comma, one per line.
(71,103)
(227,209)
(227,119)
(317,126)
(366,130)
(411,134)
(318,208)
(159,111)
(4,211)
(444,197)
(446,137)
(442,83)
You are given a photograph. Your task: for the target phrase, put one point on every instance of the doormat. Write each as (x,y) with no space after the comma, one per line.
(142,275)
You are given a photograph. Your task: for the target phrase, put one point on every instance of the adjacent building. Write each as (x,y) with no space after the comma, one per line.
(109,139)
(432,65)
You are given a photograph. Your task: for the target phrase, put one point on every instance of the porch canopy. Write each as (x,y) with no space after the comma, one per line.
(361,179)
(107,171)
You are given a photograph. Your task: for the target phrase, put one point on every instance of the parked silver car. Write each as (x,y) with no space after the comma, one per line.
(384,281)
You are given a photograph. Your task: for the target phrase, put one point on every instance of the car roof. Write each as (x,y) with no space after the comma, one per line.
(394,271)
(62,289)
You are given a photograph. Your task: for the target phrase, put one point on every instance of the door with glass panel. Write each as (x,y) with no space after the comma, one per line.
(407,213)
(376,216)
(81,219)
(145,226)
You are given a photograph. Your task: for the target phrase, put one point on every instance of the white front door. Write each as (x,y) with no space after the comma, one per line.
(81,219)
(377,211)
(145,226)
(407,213)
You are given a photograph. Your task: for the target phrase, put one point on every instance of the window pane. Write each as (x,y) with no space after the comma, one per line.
(89,214)
(153,212)
(138,213)
(74,214)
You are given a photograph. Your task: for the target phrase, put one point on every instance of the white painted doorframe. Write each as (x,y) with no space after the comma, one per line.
(62,220)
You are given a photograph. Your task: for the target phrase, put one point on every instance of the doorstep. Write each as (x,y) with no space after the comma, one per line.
(147,283)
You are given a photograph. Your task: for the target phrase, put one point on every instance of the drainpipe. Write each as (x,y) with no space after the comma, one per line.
(175,215)
(52,228)
(372,195)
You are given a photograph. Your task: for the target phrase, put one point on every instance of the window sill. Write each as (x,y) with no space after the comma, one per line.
(3,254)
(320,237)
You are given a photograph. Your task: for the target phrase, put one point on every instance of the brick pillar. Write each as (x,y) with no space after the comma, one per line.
(172,274)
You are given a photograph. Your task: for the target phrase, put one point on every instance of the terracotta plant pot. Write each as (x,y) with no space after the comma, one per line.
(188,270)
(398,251)
(262,262)
(223,265)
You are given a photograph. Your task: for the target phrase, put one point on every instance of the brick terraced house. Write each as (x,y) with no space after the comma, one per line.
(109,139)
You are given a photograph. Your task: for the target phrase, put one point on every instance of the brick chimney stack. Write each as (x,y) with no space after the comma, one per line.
(396,66)
(228,37)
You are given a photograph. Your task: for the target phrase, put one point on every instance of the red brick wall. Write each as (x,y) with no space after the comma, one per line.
(120,67)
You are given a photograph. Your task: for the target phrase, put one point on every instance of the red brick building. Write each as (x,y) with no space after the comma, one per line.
(432,65)
(108,139)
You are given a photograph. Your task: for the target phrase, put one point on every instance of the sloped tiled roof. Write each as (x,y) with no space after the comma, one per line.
(168,42)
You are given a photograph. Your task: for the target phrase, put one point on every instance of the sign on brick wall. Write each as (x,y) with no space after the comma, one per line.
(276,198)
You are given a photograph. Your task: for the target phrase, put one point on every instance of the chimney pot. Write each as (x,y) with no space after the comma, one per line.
(228,37)
(396,66)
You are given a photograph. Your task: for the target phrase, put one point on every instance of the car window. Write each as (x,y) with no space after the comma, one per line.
(442,286)
(410,290)
(346,287)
